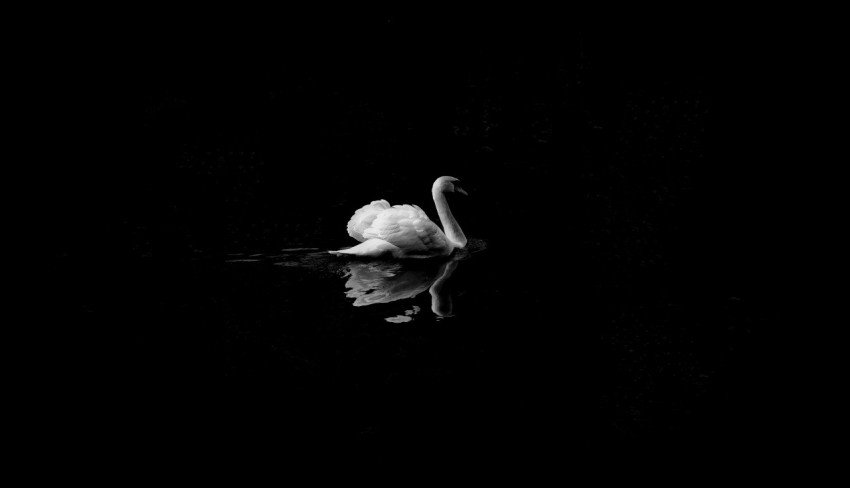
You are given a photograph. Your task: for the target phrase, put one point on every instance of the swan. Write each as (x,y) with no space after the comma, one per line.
(405,231)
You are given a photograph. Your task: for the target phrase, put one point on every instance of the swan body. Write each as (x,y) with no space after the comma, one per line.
(405,231)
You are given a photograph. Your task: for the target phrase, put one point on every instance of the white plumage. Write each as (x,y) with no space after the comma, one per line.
(405,231)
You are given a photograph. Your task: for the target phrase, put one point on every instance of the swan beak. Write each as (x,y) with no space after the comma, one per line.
(461,191)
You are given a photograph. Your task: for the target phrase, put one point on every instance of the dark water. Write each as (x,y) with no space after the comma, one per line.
(616,294)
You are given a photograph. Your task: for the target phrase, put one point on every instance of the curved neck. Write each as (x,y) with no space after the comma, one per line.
(450,225)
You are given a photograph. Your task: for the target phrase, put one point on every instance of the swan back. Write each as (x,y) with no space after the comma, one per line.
(409,228)
(363,218)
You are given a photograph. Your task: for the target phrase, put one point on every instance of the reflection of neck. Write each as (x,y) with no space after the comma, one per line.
(441,303)
(450,225)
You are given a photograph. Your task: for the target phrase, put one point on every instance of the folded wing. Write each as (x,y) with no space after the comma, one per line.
(408,228)
(363,218)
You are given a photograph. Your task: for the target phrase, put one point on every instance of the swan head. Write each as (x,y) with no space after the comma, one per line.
(447,184)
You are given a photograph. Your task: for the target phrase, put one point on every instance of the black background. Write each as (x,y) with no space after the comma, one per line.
(625,178)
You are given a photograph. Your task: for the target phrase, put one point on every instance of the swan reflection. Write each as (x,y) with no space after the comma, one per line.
(374,282)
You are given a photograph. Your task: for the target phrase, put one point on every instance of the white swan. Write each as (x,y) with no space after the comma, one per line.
(405,231)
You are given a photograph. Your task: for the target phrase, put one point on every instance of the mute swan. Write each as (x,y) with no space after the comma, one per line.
(405,231)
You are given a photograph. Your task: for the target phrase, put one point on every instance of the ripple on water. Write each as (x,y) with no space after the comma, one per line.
(377,282)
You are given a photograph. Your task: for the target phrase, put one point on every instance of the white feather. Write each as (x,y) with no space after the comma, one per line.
(405,231)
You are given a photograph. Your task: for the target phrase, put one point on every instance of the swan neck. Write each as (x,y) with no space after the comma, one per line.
(450,225)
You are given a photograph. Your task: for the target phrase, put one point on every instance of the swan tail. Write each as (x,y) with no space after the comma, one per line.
(369,248)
